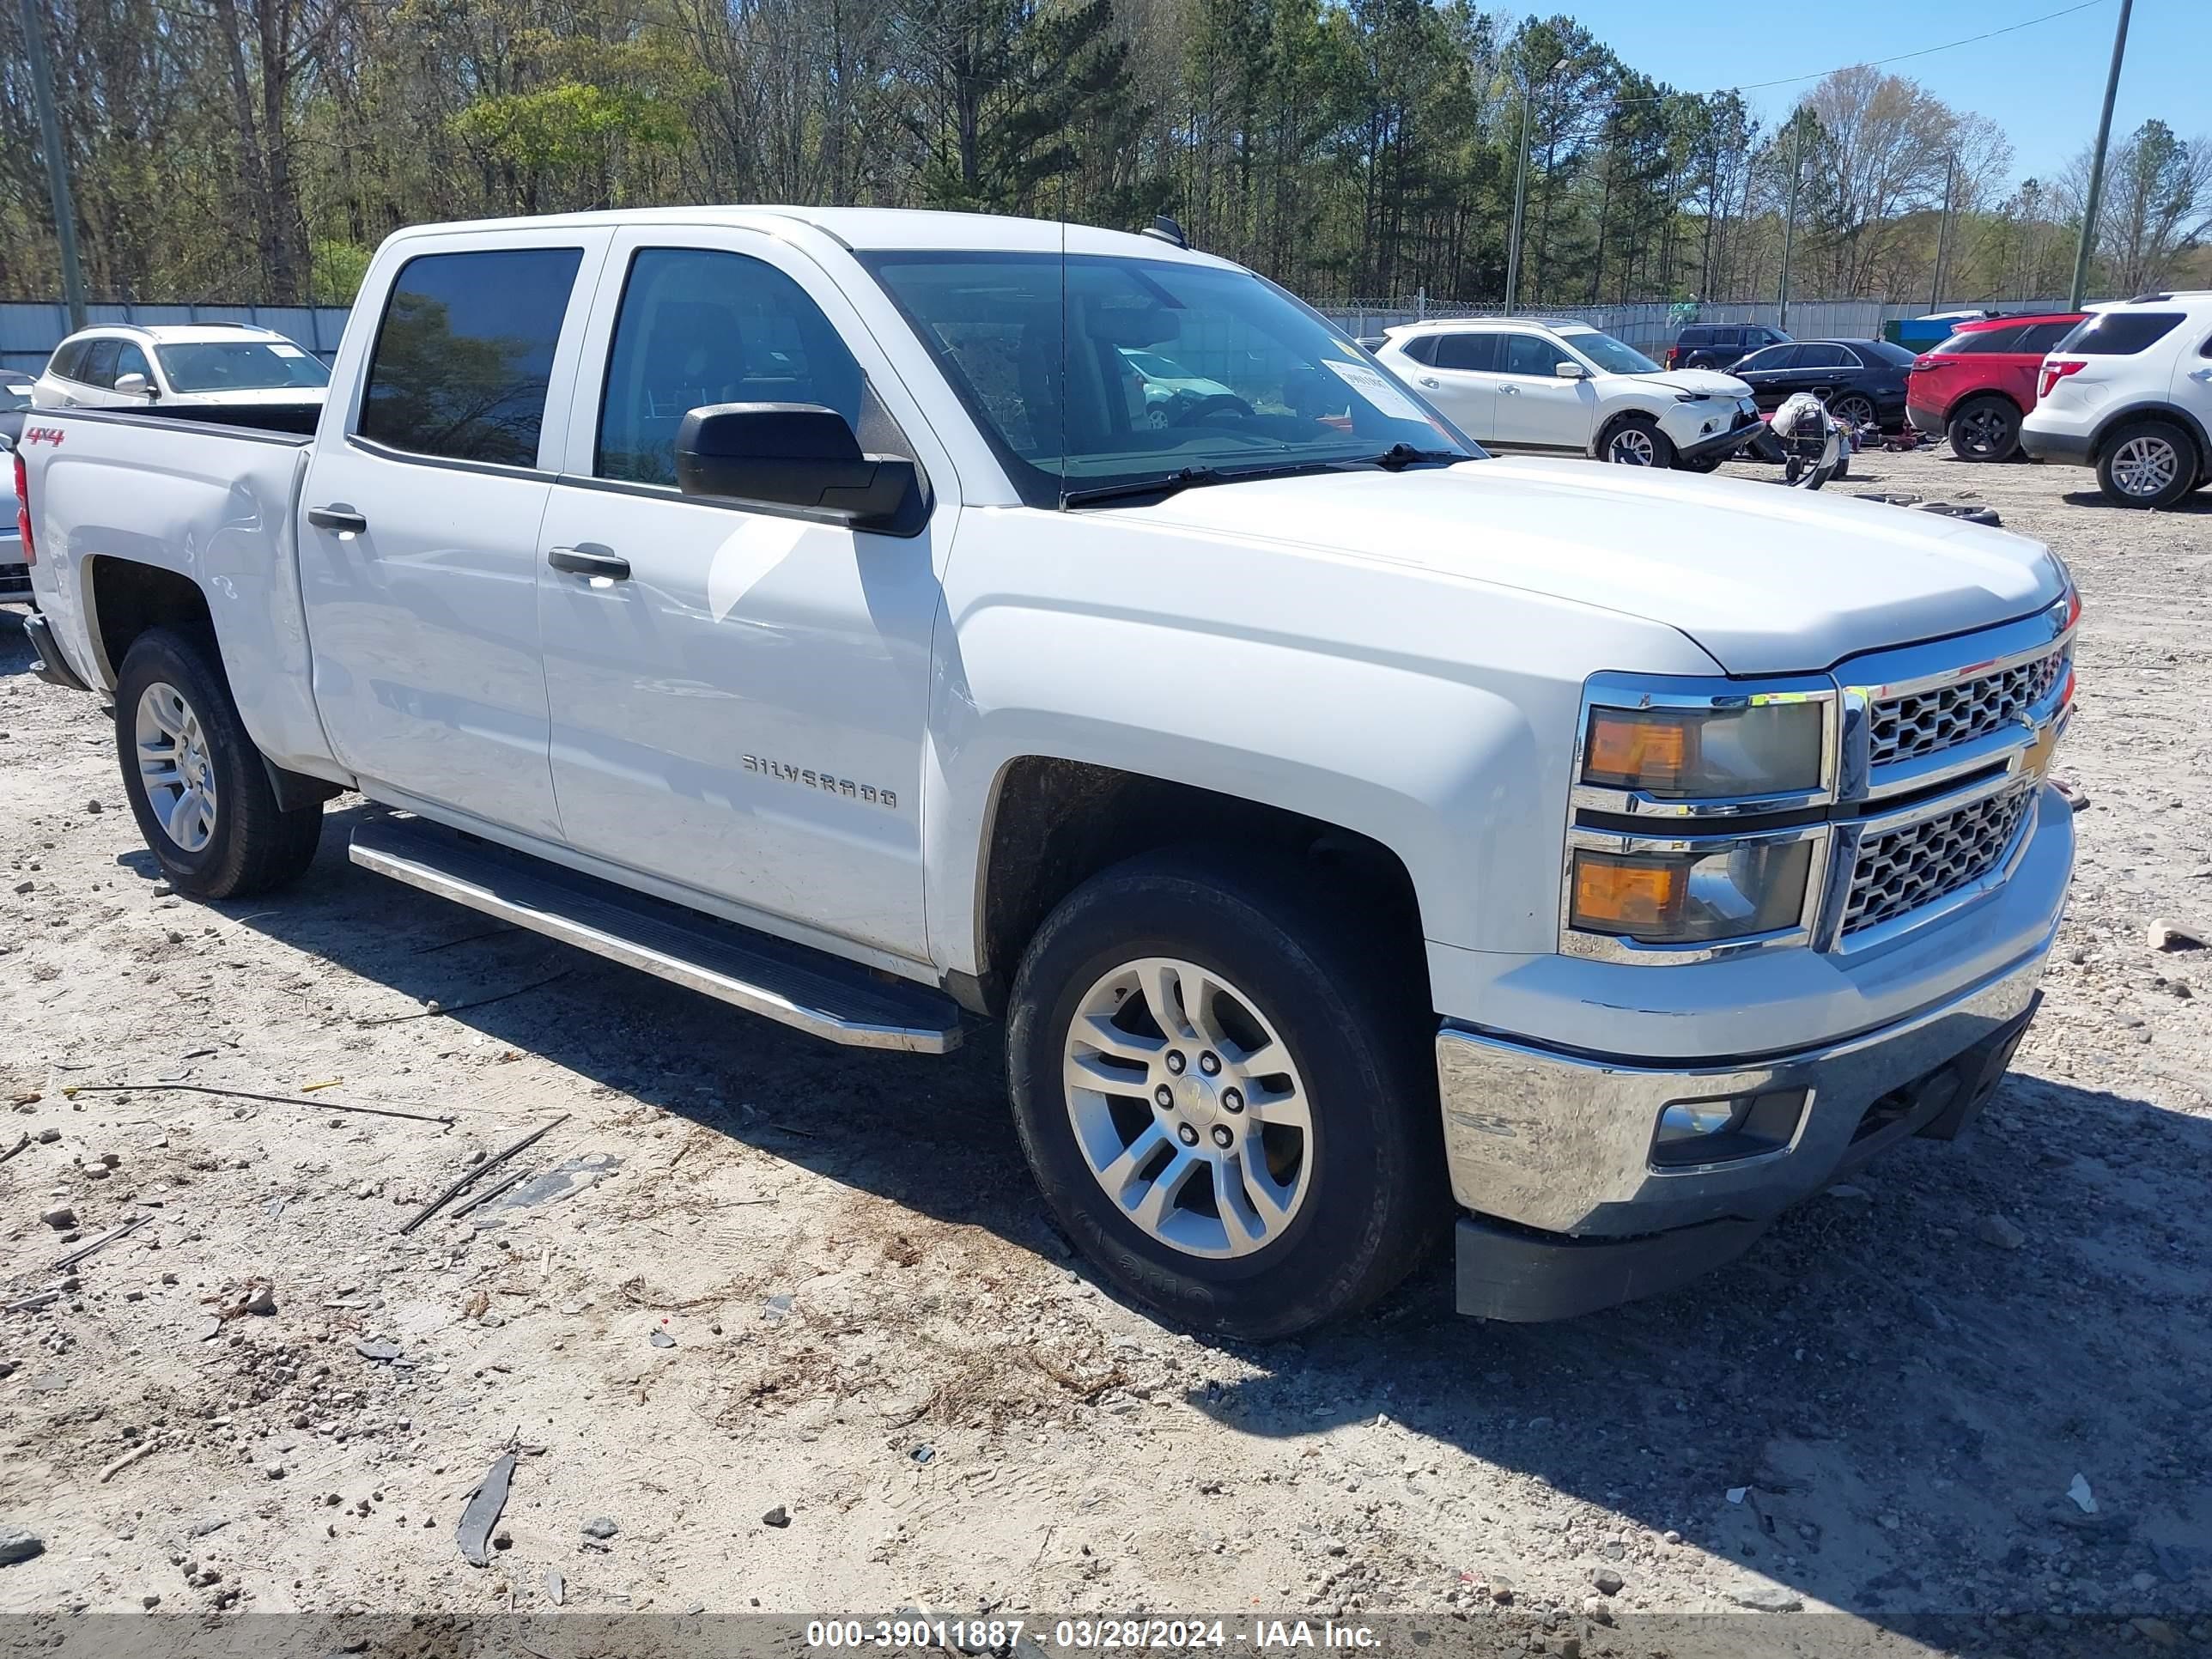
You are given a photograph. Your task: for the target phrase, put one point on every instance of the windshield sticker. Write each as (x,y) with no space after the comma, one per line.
(1371,384)
(286,350)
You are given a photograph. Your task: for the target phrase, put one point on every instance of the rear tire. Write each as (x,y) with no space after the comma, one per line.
(196,783)
(1637,440)
(1985,430)
(1310,1194)
(2151,463)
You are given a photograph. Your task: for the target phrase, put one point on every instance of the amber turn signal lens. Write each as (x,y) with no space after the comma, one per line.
(1627,895)
(1637,750)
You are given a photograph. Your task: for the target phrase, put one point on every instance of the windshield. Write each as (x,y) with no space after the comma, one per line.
(1129,369)
(239,365)
(1614,357)
(14,395)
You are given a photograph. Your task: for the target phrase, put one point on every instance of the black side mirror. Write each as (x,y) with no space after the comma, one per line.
(797,455)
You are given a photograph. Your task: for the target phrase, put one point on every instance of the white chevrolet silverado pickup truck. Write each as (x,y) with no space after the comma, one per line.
(1355,834)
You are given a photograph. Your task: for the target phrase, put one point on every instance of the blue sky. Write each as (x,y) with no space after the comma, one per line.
(2043,84)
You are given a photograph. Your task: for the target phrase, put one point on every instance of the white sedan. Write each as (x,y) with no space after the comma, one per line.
(1540,383)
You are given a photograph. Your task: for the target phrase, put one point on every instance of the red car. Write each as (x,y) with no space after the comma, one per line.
(1978,384)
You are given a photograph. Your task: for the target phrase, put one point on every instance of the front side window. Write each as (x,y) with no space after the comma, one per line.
(1474,352)
(1039,347)
(1772,358)
(129,360)
(464,356)
(699,326)
(1527,353)
(97,366)
(240,366)
(1614,357)
(2118,333)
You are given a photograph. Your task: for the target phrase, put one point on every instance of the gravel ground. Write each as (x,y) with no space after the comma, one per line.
(791,1333)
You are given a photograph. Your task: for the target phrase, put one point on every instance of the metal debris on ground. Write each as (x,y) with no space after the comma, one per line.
(476,1172)
(102,1242)
(250,1094)
(17,1147)
(662,1339)
(435,1009)
(562,1180)
(487,1195)
(482,1514)
(145,1447)
(33,1303)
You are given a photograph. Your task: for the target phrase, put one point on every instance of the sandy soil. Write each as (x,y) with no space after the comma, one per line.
(814,1286)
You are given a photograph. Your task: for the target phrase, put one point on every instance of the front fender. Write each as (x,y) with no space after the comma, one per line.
(1428,712)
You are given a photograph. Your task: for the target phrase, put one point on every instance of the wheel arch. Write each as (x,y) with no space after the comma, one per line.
(2172,413)
(1975,394)
(127,597)
(1052,822)
(1610,421)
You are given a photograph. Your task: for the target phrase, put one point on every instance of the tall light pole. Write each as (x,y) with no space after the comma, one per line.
(2088,243)
(1789,223)
(50,140)
(1943,235)
(1520,195)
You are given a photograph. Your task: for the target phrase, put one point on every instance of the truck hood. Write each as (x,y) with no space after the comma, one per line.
(1765,580)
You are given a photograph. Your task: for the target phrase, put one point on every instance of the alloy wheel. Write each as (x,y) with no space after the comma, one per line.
(1188,1107)
(1632,447)
(1857,410)
(2145,465)
(173,766)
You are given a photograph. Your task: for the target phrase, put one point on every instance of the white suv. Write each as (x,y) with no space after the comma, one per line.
(129,366)
(2130,393)
(1542,384)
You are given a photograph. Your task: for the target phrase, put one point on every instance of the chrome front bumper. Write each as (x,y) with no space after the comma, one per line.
(1563,1143)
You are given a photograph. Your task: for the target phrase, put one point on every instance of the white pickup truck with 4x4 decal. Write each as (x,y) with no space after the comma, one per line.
(1362,839)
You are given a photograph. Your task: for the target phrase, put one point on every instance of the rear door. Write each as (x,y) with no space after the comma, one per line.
(741,710)
(418,551)
(1460,379)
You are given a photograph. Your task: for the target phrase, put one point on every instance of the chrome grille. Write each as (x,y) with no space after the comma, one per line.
(1900,869)
(1907,727)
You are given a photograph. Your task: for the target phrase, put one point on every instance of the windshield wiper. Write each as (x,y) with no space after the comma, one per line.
(1191,477)
(1399,457)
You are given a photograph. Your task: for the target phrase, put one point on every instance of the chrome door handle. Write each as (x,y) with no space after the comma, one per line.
(1511,391)
(1429,380)
(589,562)
(339,517)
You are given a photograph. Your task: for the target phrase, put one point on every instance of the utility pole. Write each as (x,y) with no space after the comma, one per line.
(50,140)
(1519,193)
(1943,235)
(1789,223)
(2088,243)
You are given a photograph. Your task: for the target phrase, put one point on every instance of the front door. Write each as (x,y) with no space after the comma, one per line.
(1767,373)
(418,552)
(1535,407)
(740,708)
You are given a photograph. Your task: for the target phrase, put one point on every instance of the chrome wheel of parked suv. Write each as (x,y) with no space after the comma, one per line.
(2147,464)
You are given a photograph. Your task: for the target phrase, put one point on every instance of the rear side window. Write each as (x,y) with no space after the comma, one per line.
(1824,357)
(2118,333)
(1981,341)
(1422,347)
(63,364)
(2038,338)
(1477,352)
(1697,337)
(699,327)
(464,354)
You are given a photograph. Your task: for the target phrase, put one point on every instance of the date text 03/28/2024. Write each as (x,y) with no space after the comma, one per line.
(1087,1635)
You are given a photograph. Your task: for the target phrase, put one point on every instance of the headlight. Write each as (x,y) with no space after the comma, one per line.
(1769,746)
(1738,888)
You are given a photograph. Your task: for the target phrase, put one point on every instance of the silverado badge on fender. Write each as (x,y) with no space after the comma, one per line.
(822,781)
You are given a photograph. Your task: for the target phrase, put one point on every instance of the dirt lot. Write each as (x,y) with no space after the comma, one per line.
(813,1285)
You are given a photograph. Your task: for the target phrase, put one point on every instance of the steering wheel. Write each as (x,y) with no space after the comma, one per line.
(1205,409)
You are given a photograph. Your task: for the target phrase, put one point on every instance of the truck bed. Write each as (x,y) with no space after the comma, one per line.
(214,500)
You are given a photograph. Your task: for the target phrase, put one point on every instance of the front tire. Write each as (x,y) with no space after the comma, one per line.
(1637,440)
(195,783)
(1985,430)
(2147,464)
(1226,1097)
